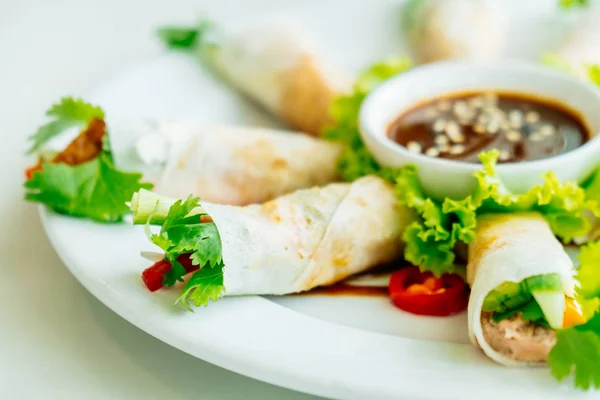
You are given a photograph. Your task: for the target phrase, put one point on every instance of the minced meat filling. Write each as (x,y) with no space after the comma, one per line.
(518,339)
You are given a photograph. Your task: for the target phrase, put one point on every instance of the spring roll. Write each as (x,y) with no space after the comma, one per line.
(296,242)
(579,48)
(465,29)
(222,164)
(521,283)
(275,66)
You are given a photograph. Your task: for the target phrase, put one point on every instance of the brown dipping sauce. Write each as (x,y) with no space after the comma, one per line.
(460,126)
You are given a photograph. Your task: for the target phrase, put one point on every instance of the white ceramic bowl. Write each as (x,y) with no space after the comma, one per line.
(450,178)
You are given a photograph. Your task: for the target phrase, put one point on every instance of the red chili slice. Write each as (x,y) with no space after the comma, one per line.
(422,293)
(153,276)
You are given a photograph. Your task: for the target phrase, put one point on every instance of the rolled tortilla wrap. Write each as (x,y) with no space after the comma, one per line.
(579,48)
(436,29)
(511,248)
(309,238)
(275,66)
(222,164)
(294,243)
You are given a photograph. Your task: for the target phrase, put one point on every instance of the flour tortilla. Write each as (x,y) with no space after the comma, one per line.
(275,65)
(309,238)
(222,164)
(511,248)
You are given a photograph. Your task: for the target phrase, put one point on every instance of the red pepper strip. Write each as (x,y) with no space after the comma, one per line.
(422,293)
(153,276)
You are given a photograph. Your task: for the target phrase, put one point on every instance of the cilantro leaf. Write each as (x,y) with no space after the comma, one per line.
(184,232)
(206,284)
(67,113)
(95,189)
(356,161)
(576,353)
(184,37)
(179,211)
(200,240)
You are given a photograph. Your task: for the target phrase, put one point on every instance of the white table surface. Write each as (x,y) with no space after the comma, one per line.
(56,340)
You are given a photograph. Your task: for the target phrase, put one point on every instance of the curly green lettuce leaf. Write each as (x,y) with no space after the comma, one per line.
(67,113)
(588,273)
(379,72)
(356,161)
(183,232)
(576,353)
(592,186)
(430,242)
(95,189)
(562,204)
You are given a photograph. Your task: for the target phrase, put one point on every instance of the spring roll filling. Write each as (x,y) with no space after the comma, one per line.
(519,319)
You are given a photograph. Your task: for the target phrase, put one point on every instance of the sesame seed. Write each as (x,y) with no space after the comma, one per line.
(479,129)
(432,152)
(532,117)
(460,108)
(504,155)
(493,127)
(452,128)
(547,130)
(454,133)
(457,149)
(443,148)
(441,139)
(476,102)
(536,137)
(516,118)
(513,136)
(444,105)
(413,147)
(483,119)
(439,125)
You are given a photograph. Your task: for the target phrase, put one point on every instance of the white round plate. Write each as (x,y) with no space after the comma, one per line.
(340,347)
